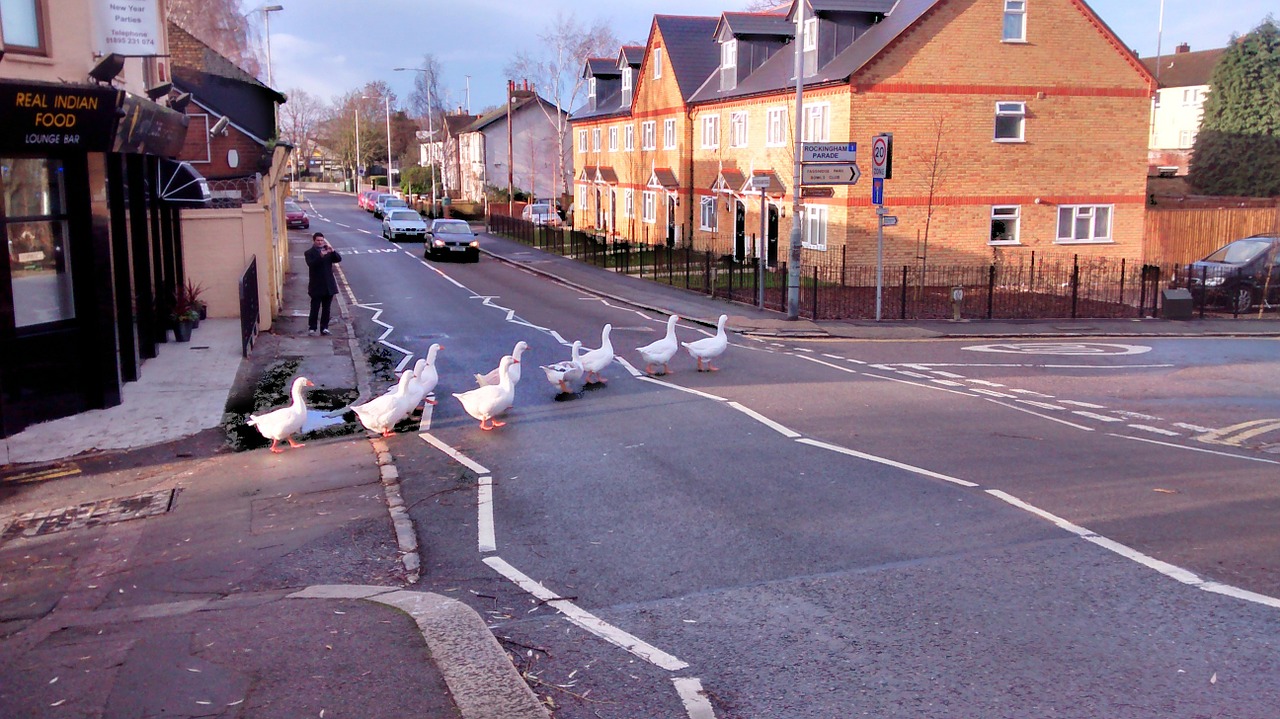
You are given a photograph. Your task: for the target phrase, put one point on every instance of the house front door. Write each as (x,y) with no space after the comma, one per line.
(739,231)
(771,253)
(671,221)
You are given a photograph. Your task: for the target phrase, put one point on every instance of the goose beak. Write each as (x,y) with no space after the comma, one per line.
(310,384)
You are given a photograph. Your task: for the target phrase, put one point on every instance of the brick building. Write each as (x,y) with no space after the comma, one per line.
(1013,131)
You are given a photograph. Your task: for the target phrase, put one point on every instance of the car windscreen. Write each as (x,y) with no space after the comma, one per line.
(407,215)
(290,207)
(452,228)
(395,202)
(1239,252)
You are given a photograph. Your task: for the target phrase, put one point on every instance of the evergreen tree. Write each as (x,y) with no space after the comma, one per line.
(1237,151)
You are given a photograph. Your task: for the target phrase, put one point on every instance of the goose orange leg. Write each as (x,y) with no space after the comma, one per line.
(293,443)
(564,388)
(274,448)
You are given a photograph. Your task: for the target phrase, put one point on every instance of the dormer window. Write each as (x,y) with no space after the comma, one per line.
(591,89)
(810,45)
(728,64)
(626,86)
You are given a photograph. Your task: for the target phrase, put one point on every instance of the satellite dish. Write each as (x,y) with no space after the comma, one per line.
(220,127)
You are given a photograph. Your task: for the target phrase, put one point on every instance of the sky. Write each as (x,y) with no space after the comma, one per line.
(331,47)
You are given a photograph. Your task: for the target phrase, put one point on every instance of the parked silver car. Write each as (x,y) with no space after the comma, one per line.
(406,223)
(387,202)
(452,238)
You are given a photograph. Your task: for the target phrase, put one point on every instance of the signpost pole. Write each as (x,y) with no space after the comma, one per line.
(793,266)
(760,247)
(879,258)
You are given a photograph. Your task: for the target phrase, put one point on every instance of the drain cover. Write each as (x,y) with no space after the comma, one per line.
(90,514)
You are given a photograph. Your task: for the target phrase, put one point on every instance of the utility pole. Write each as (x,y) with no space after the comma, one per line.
(511,172)
(357,108)
(797,216)
(391,185)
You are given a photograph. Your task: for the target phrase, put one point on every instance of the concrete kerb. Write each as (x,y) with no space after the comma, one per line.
(475,667)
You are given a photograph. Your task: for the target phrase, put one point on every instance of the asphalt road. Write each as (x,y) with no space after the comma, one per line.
(842,528)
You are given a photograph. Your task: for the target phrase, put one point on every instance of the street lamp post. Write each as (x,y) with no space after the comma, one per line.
(358,146)
(266,19)
(391,185)
(431,129)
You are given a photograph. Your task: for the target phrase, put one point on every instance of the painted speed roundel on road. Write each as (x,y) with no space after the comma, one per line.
(1071,349)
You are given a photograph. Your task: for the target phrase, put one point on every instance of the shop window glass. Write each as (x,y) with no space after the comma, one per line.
(35,225)
(20,23)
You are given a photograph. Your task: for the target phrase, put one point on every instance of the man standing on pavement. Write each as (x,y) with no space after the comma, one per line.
(322,285)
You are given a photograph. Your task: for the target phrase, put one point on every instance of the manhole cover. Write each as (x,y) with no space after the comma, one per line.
(90,514)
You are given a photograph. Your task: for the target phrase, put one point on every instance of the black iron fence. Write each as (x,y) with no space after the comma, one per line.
(249,307)
(1038,287)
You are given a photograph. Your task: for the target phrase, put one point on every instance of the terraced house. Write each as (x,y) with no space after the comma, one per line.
(1018,126)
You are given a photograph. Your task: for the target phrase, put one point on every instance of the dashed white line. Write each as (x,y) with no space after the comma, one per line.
(1037,414)
(991,393)
(454,454)
(1192,427)
(669,385)
(1155,430)
(914,375)
(1195,449)
(885,461)
(827,364)
(948,375)
(1086,405)
(834,357)
(765,421)
(985,383)
(486,537)
(587,620)
(1093,415)
(948,383)
(1032,393)
(695,700)
(1042,405)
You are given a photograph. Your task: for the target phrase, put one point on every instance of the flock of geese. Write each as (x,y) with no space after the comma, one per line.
(496,390)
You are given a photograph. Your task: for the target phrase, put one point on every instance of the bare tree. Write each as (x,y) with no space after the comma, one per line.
(766,6)
(555,68)
(429,97)
(299,118)
(937,164)
(220,25)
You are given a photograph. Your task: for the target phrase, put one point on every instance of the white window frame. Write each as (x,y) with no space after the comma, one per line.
(582,141)
(1011,109)
(591,89)
(815,226)
(1089,213)
(613,139)
(629,137)
(707,218)
(738,136)
(595,139)
(669,134)
(1011,216)
(1014,11)
(626,80)
(776,127)
(33,26)
(819,114)
(650,207)
(628,203)
(649,135)
(729,54)
(810,34)
(711,131)
(657,63)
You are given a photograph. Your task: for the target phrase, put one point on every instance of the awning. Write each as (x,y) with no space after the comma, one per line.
(588,174)
(731,179)
(181,183)
(664,178)
(606,175)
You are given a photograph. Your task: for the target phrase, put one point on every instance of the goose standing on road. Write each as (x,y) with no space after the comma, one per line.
(661,351)
(425,375)
(594,361)
(283,423)
(709,348)
(563,374)
(381,413)
(485,403)
(493,376)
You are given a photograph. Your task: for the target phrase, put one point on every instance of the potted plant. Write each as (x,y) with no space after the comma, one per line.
(193,292)
(184,314)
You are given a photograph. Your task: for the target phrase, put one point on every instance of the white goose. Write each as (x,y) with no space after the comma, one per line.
(661,351)
(563,374)
(594,361)
(283,423)
(380,414)
(493,378)
(485,403)
(709,348)
(425,376)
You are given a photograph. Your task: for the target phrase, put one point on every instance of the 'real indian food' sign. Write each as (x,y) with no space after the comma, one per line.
(51,118)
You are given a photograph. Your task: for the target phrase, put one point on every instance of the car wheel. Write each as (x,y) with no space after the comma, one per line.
(1242,299)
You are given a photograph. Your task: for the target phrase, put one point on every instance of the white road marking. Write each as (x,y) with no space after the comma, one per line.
(1136,415)
(366,232)
(948,375)
(628,367)
(1237,434)
(454,454)
(1037,414)
(1032,393)
(791,434)
(1042,405)
(827,364)
(918,384)
(1094,415)
(486,538)
(949,383)
(587,620)
(669,385)
(395,347)
(831,356)
(1086,405)
(695,700)
(796,349)
(1196,449)
(991,393)
(985,383)
(886,461)
(339,224)
(1193,427)
(1155,430)
(915,375)
(855,361)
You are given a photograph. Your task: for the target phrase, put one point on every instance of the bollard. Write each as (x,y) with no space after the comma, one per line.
(957,297)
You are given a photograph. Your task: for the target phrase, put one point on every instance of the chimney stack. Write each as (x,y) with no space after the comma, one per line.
(1184,47)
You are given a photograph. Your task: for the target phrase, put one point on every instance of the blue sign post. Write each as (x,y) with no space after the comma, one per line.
(877,191)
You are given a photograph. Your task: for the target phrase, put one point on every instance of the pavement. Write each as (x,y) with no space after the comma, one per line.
(146,570)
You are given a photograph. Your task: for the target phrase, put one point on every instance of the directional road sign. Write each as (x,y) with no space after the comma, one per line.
(888,220)
(830,174)
(829,152)
(817,192)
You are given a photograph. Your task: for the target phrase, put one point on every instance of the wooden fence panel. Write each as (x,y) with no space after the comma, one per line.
(1180,235)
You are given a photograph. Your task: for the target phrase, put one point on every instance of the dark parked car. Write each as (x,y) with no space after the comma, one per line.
(1239,275)
(295,216)
(452,238)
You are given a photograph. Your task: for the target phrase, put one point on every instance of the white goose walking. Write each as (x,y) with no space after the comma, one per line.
(492,377)
(381,413)
(485,403)
(709,348)
(661,351)
(425,376)
(594,361)
(563,374)
(283,423)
